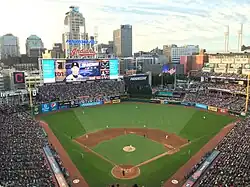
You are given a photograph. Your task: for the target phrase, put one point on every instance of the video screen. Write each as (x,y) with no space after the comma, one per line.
(71,70)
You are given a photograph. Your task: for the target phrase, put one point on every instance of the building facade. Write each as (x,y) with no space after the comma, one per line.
(237,63)
(9,46)
(34,46)
(193,62)
(57,51)
(167,51)
(1,82)
(123,41)
(177,52)
(74,29)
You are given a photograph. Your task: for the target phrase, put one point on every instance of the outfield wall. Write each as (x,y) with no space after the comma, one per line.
(59,105)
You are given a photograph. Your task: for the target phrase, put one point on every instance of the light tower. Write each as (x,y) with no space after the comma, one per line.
(240,33)
(226,38)
(96,39)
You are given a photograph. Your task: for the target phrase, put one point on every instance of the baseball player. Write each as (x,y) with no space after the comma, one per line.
(74,76)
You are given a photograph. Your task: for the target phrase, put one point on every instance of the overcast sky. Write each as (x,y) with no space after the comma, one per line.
(155,22)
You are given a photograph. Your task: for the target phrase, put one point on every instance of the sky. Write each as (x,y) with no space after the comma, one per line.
(155,22)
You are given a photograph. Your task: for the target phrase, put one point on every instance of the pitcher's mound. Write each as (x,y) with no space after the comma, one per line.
(125,172)
(129,148)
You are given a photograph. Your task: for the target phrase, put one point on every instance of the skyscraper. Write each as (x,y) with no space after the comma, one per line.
(9,46)
(123,43)
(75,29)
(34,46)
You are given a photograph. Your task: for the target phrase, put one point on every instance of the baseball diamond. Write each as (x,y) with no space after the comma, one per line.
(131,143)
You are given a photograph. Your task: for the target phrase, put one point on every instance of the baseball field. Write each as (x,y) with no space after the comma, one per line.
(132,143)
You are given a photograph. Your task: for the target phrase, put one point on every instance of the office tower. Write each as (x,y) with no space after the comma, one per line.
(123,44)
(9,46)
(177,52)
(34,46)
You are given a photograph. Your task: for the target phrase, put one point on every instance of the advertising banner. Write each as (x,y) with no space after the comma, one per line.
(174,102)
(191,181)
(45,107)
(74,104)
(197,105)
(54,106)
(55,168)
(18,77)
(36,110)
(186,104)
(116,101)
(165,102)
(124,97)
(114,97)
(157,101)
(64,104)
(107,102)
(211,108)
(221,110)
(91,104)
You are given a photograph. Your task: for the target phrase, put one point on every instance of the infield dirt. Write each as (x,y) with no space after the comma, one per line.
(169,140)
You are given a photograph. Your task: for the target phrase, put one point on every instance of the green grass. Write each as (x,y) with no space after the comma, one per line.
(185,122)
(145,149)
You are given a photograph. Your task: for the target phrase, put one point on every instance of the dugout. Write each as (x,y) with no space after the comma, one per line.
(138,86)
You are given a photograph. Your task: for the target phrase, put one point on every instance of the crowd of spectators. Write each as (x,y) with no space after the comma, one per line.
(23,162)
(222,75)
(226,86)
(232,102)
(232,167)
(87,90)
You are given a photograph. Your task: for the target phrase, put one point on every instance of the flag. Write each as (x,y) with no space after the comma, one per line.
(171,71)
(165,68)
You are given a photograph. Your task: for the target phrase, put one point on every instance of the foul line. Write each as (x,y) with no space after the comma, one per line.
(97,154)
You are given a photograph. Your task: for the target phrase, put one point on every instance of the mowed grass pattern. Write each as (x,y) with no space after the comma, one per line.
(185,122)
(145,149)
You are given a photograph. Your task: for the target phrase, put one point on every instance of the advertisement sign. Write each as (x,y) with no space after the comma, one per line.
(185,104)
(116,101)
(224,111)
(74,104)
(114,97)
(82,52)
(60,71)
(18,77)
(64,104)
(48,67)
(157,101)
(211,108)
(107,102)
(53,106)
(55,168)
(161,93)
(190,182)
(45,107)
(91,104)
(201,106)
(36,110)
(75,42)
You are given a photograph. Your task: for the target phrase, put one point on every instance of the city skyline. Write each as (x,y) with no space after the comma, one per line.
(154,24)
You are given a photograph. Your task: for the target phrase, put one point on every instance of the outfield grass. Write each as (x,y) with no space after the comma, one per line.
(145,149)
(185,122)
